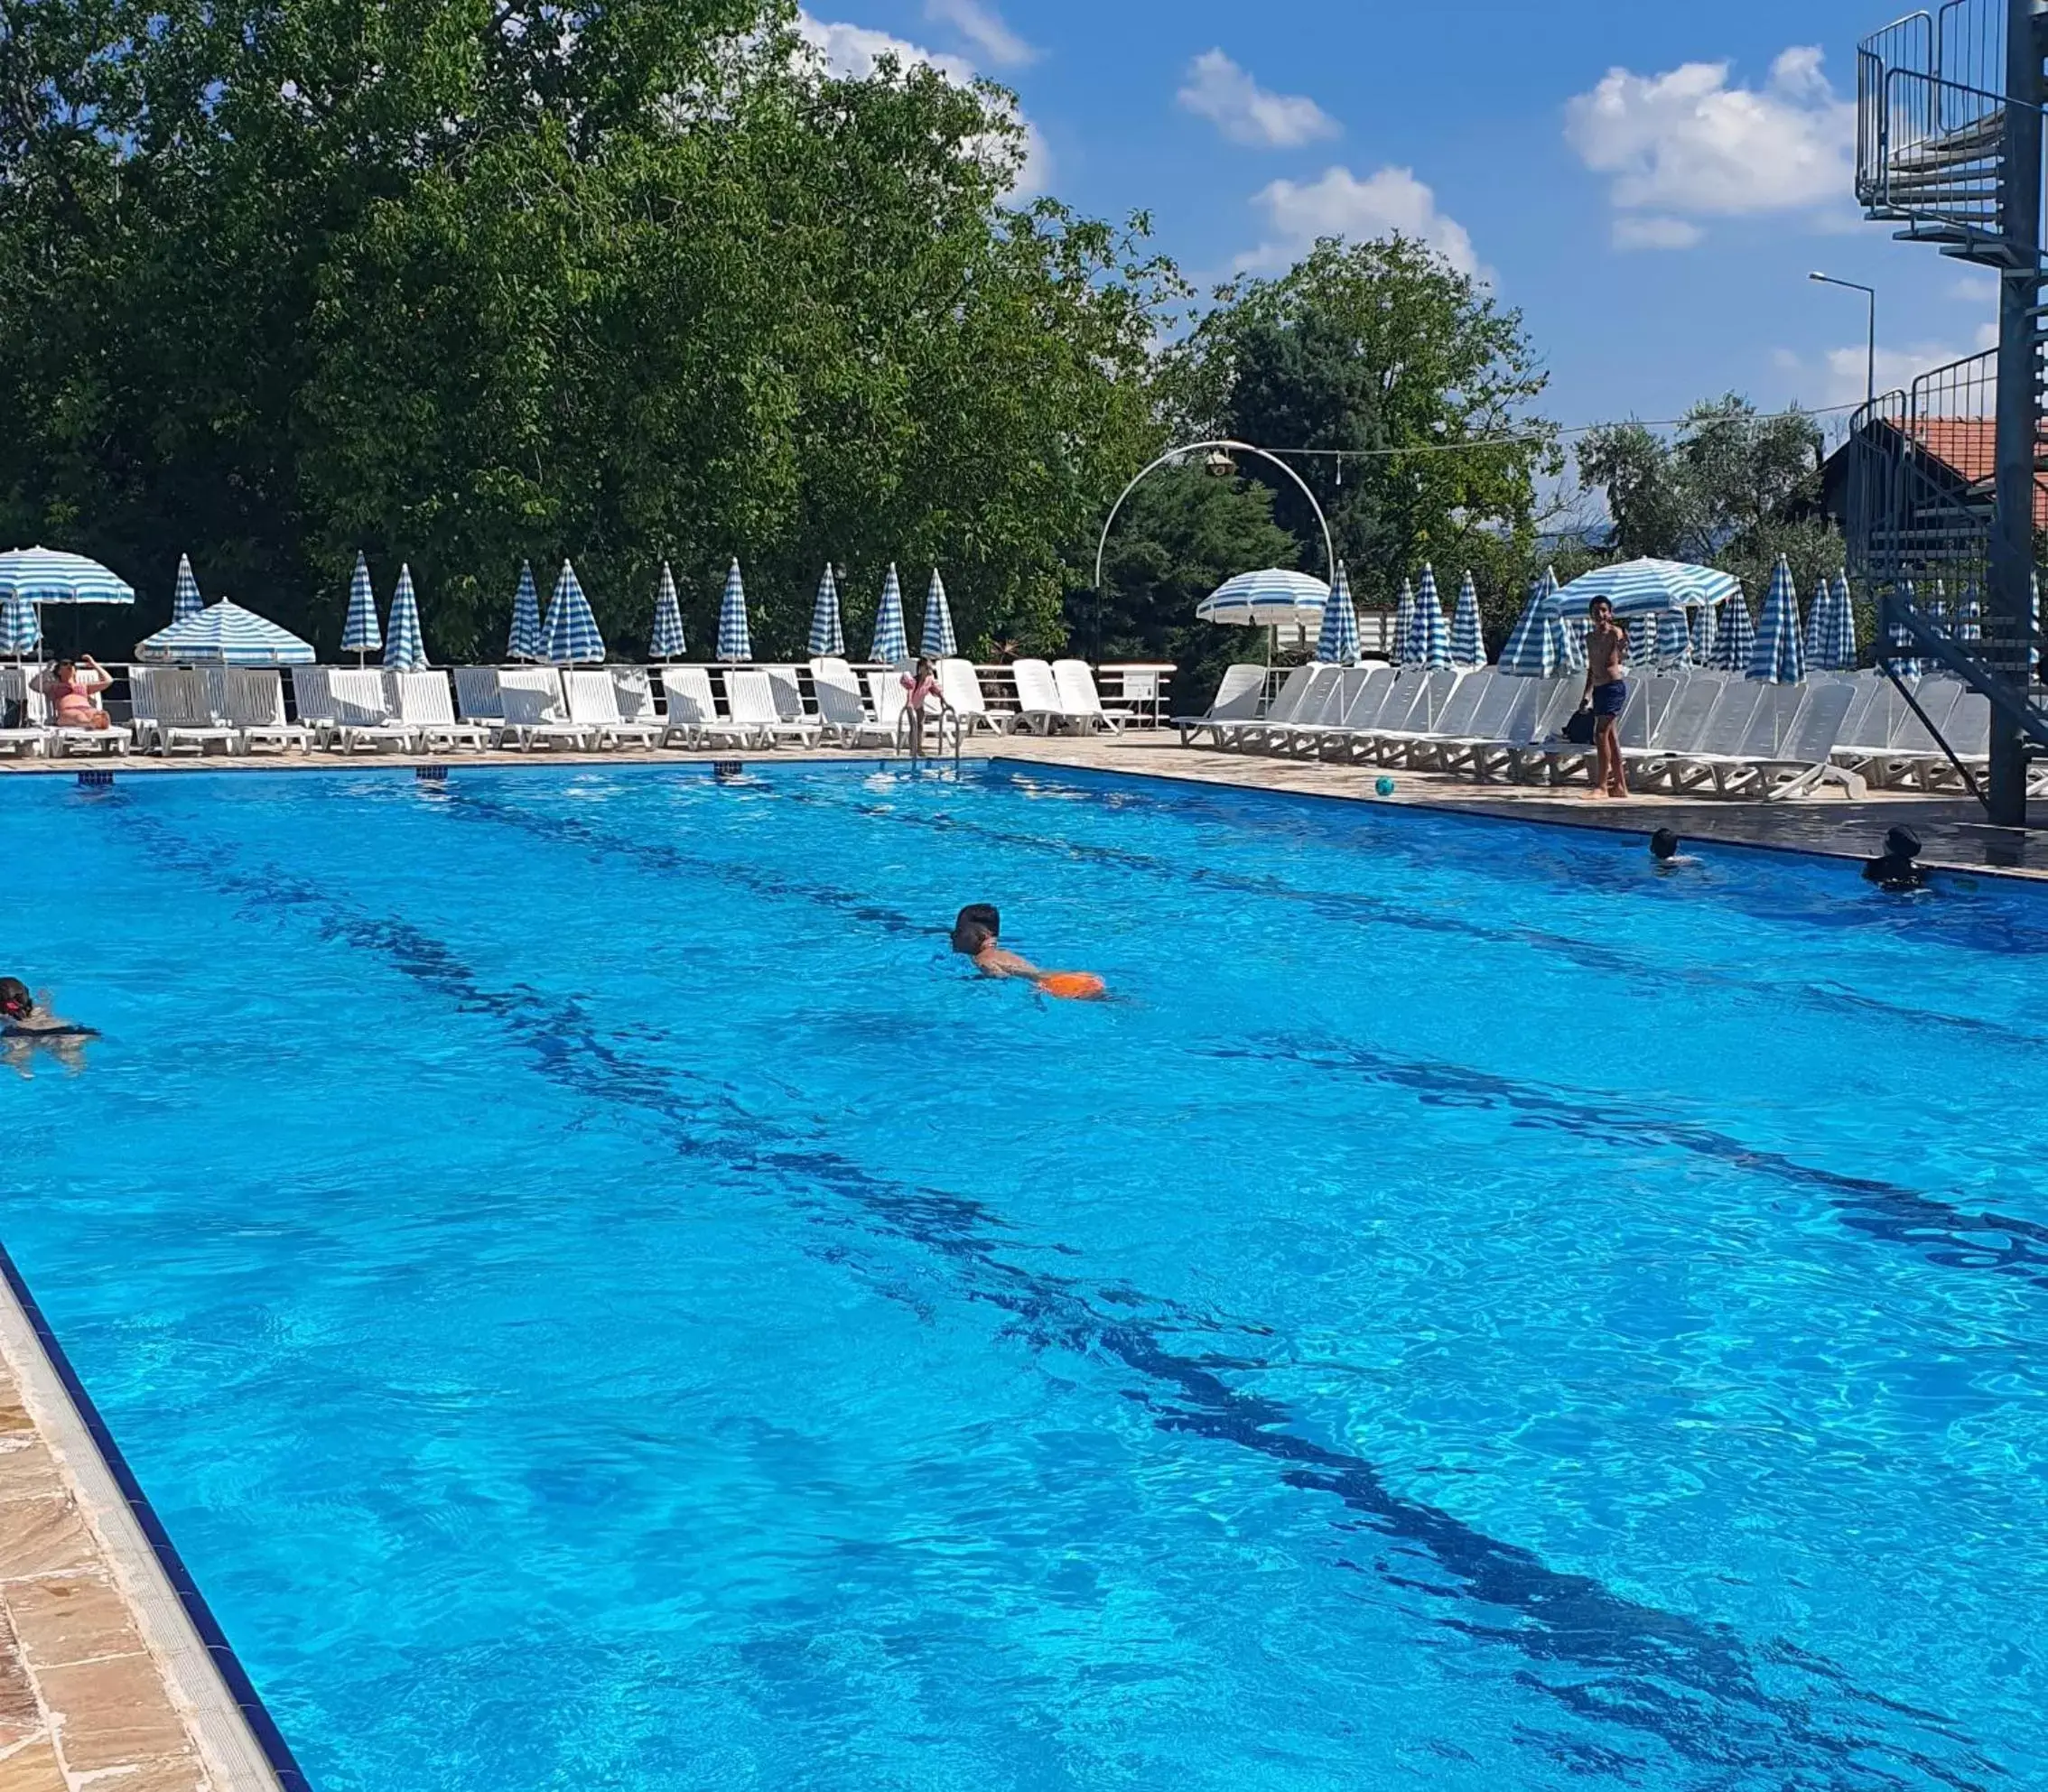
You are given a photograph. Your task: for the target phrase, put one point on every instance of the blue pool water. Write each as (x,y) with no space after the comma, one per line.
(602,1300)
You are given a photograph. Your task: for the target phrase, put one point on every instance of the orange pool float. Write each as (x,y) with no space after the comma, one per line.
(1072,985)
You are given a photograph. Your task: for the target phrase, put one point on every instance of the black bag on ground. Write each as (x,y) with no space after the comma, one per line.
(1579,731)
(13,712)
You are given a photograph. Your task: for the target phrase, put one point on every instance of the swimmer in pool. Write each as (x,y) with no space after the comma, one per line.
(26,1022)
(1894,870)
(977,934)
(1664,849)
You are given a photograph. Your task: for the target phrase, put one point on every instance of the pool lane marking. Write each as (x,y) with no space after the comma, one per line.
(1892,1212)
(1562,1618)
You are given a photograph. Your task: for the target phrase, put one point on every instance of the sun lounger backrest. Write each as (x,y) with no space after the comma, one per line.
(1288,698)
(963,689)
(1560,696)
(1454,717)
(1076,687)
(1677,729)
(1812,737)
(1405,699)
(788,693)
(1353,683)
(1038,692)
(544,681)
(1937,698)
(527,706)
(1862,691)
(359,696)
(1437,690)
(593,702)
(1727,725)
(1968,729)
(689,692)
(1496,704)
(477,693)
(1364,709)
(840,701)
(1237,697)
(1525,709)
(1772,720)
(1319,704)
(886,695)
(422,697)
(633,692)
(311,696)
(252,697)
(750,696)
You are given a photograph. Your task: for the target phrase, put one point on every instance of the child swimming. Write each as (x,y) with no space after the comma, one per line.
(27,1022)
(976,934)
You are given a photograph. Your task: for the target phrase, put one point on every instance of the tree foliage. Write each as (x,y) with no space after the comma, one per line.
(464,282)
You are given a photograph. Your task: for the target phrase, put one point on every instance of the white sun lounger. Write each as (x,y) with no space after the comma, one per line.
(593,706)
(251,699)
(1450,749)
(750,699)
(1318,708)
(1082,701)
(1283,713)
(789,692)
(962,687)
(633,692)
(1532,721)
(26,740)
(844,715)
(422,704)
(1350,704)
(1236,700)
(536,712)
(1416,747)
(478,699)
(1675,733)
(693,718)
(363,714)
(1039,706)
(41,734)
(1409,717)
(1896,743)
(170,711)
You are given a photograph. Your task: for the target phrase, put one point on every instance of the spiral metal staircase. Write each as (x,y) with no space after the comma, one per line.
(1945,482)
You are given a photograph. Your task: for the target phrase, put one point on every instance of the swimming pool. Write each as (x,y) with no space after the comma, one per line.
(601,1299)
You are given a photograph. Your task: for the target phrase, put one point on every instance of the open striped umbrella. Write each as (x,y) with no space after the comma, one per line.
(404,650)
(891,643)
(569,636)
(359,633)
(48,576)
(665,642)
(1777,657)
(937,634)
(523,643)
(1642,637)
(1468,640)
(828,636)
(225,634)
(735,642)
(1429,635)
(1338,645)
(1271,597)
(1636,586)
(185,600)
(19,628)
(1735,635)
(1674,639)
(1403,625)
(1538,647)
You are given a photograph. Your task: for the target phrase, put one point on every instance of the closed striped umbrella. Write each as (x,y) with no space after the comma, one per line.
(828,635)
(570,635)
(19,628)
(48,576)
(523,642)
(185,600)
(1970,618)
(1703,635)
(1830,629)
(735,642)
(1538,646)
(359,633)
(891,643)
(403,649)
(666,640)
(1338,645)
(937,635)
(1735,635)
(1674,639)
(1778,657)
(225,634)
(1403,625)
(1635,587)
(1430,634)
(1468,640)
(1900,657)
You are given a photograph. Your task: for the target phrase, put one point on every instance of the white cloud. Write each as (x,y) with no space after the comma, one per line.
(1838,378)
(1687,143)
(1655,233)
(1342,204)
(984,27)
(1225,95)
(851,51)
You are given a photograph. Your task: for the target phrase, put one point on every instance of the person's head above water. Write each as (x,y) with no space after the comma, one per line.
(1664,844)
(16,1002)
(975,926)
(1902,843)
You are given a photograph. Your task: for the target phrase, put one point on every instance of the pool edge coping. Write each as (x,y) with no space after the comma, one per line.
(243,1749)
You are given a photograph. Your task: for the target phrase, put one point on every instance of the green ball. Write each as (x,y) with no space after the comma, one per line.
(1384,786)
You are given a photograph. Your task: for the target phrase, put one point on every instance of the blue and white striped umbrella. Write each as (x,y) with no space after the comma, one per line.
(1272,595)
(1428,635)
(1735,635)
(1338,645)
(1937,610)
(1778,657)
(359,633)
(185,600)
(828,635)
(1642,637)
(1902,658)
(1538,647)
(1403,625)
(525,642)
(1674,639)
(735,643)
(1970,618)
(225,634)
(1468,639)
(1635,587)
(1703,635)
(569,636)
(19,628)
(891,643)
(46,576)
(665,641)
(937,634)
(403,649)
(1830,630)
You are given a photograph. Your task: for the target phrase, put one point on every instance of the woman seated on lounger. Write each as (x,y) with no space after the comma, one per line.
(72,694)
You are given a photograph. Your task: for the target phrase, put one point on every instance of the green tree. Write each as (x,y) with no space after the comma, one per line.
(1384,351)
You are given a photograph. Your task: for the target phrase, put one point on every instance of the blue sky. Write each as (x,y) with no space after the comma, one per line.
(1649,182)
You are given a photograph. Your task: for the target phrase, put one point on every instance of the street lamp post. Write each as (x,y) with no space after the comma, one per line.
(1870,350)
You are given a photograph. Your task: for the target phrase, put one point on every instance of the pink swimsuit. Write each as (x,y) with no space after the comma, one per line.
(919,689)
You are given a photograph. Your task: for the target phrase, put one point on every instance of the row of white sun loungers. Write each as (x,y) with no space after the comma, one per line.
(352,710)
(1695,733)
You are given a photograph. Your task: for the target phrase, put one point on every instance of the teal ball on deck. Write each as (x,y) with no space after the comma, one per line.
(1384,786)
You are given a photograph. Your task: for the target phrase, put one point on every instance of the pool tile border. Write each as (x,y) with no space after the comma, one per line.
(136,1689)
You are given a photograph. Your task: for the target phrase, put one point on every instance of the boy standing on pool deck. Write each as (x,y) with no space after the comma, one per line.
(1606,695)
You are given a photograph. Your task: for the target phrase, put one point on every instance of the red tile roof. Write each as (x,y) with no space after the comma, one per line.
(1968,446)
